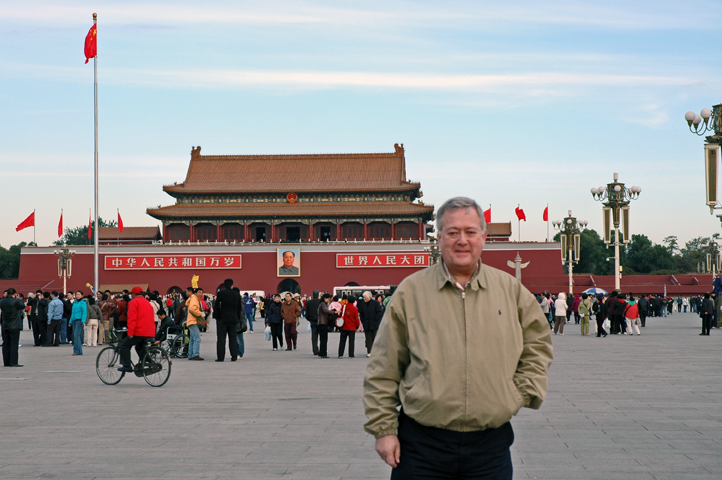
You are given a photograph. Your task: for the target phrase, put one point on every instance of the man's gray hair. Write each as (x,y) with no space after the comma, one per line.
(455,204)
(367,294)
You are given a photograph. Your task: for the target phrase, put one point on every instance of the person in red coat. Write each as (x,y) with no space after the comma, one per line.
(351,323)
(141,327)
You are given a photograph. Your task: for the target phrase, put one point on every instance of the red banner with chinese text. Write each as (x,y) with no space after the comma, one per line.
(171,262)
(388,260)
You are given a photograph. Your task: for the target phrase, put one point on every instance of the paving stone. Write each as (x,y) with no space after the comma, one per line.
(627,408)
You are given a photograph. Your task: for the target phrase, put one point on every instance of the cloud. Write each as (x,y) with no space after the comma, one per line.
(376,14)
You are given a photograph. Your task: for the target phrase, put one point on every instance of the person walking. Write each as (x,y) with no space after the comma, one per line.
(706,310)
(275,321)
(584,309)
(312,316)
(250,310)
(457,381)
(290,311)
(600,310)
(55,318)
(11,314)
(370,313)
(324,318)
(631,315)
(78,317)
(643,307)
(194,314)
(107,309)
(93,323)
(228,309)
(351,323)
(560,313)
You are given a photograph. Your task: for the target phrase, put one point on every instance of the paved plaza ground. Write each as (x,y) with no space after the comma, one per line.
(642,407)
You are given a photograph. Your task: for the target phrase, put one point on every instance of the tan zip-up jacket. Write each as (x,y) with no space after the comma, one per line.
(461,361)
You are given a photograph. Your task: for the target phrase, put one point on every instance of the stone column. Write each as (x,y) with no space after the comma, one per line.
(219,232)
(338,230)
(366,230)
(192,232)
(393,230)
(245,232)
(166,233)
(310,231)
(421,230)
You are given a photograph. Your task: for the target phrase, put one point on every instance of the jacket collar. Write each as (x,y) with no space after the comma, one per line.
(443,277)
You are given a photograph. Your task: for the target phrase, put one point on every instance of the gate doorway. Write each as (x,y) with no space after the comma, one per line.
(289,285)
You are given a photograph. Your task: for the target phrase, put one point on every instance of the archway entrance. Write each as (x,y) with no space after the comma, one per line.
(175,289)
(289,285)
(351,284)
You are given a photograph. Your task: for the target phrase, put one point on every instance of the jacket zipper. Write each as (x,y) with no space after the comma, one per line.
(466,359)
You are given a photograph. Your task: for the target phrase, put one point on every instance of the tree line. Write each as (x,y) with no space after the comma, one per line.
(641,256)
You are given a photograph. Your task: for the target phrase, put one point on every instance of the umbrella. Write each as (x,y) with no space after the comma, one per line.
(595,291)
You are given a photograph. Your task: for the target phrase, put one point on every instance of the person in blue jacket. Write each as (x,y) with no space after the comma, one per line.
(78,317)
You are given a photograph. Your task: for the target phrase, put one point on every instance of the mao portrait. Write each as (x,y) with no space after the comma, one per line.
(289,262)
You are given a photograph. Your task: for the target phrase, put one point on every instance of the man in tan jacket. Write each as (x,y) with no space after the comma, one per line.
(461,347)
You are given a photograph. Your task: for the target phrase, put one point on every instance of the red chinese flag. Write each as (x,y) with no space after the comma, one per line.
(520,214)
(487,215)
(90,227)
(91,43)
(28,222)
(120,224)
(60,225)
(546,214)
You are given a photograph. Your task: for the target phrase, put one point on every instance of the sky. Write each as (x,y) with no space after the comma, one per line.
(526,103)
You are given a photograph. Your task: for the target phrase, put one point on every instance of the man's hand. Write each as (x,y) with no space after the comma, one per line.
(130,336)
(389,449)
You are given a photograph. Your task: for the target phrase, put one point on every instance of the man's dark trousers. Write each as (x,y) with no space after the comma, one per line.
(643,318)
(11,341)
(137,342)
(428,452)
(277,334)
(52,337)
(370,337)
(323,340)
(706,325)
(38,333)
(226,329)
(314,336)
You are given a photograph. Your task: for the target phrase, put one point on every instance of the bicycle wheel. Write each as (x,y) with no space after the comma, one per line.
(180,347)
(107,365)
(156,367)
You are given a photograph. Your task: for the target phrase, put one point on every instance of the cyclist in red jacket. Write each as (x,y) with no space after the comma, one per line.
(141,327)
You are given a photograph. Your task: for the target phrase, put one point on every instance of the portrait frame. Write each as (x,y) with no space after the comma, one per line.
(295,267)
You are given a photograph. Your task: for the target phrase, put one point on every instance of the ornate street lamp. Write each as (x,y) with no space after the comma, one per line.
(433,250)
(570,229)
(714,260)
(65,264)
(615,198)
(709,121)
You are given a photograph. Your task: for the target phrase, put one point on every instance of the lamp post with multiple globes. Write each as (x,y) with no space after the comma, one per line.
(615,198)
(570,229)
(709,121)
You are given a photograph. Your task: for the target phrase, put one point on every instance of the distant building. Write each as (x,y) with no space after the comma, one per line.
(295,198)
(129,236)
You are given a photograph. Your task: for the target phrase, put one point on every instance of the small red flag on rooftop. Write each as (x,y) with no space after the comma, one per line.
(520,214)
(545,217)
(487,215)
(60,225)
(120,223)
(90,226)
(91,43)
(28,222)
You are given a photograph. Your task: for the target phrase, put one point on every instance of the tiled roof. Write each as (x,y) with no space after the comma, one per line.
(288,210)
(294,173)
(498,229)
(129,233)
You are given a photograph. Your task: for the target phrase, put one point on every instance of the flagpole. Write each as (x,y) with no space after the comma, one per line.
(95,95)
(518,220)
(34,222)
(118,237)
(547,222)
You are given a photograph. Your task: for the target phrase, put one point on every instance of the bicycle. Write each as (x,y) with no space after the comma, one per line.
(179,345)
(154,367)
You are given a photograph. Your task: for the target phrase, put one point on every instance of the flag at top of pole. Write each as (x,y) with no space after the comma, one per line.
(91,43)
(28,222)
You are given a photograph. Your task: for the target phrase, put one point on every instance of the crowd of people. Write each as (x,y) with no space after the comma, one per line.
(619,313)
(80,320)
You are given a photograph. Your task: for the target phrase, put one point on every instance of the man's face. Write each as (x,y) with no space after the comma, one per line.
(461,240)
(78,296)
(367,299)
(288,298)
(277,299)
(288,259)
(199,293)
